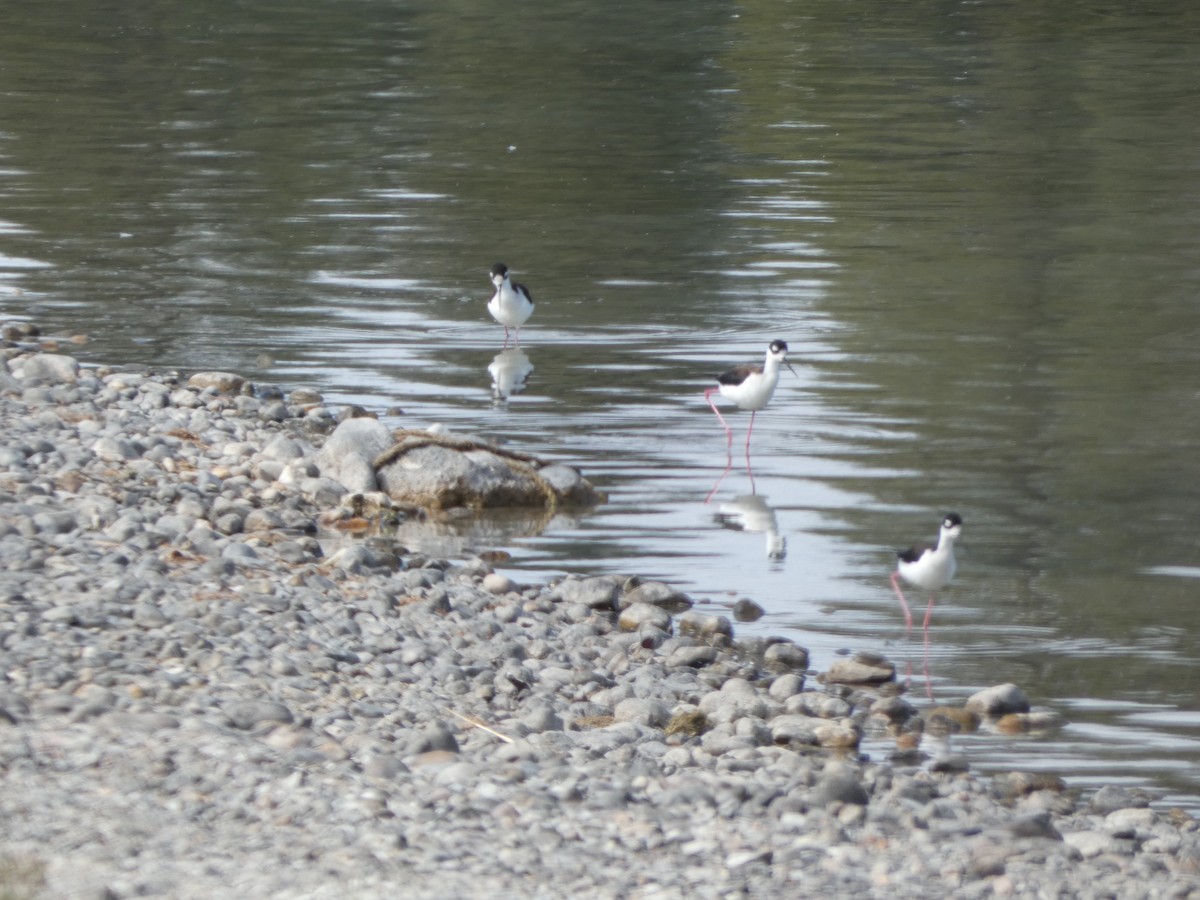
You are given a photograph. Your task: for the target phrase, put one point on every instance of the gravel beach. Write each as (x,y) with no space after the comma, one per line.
(207,691)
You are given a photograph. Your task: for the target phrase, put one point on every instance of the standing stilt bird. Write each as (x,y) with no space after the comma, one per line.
(929,568)
(512,303)
(750,387)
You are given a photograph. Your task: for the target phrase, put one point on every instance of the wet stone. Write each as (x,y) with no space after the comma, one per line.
(860,670)
(1111,798)
(784,656)
(657,594)
(640,614)
(998,701)
(746,610)
(220,382)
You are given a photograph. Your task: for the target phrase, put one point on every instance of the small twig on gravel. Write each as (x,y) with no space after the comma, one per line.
(491,731)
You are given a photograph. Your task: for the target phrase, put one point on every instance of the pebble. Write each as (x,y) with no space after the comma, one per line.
(1000,700)
(204,695)
(861,669)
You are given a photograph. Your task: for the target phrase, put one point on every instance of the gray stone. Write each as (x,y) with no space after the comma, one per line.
(860,671)
(248,714)
(795,729)
(569,485)
(817,704)
(238,552)
(839,788)
(952,762)
(435,737)
(441,471)
(641,614)
(221,382)
(348,454)
(55,522)
(597,592)
(262,520)
(357,558)
(149,616)
(1094,843)
(541,719)
(385,767)
(896,710)
(998,701)
(736,698)
(1035,825)
(703,626)
(51,368)
(693,657)
(642,712)
(112,449)
(229,523)
(746,610)
(124,528)
(784,656)
(325,492)
(657,594)
(495,583)
(283,448)
(1113,797)
(786,685)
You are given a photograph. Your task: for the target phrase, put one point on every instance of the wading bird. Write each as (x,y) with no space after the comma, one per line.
(512,303)
(929,568)
(750,387)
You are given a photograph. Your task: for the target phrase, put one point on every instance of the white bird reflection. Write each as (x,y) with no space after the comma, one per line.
(509,370)
(751,512)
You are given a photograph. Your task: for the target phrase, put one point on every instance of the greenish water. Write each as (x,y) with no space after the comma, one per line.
(974,224)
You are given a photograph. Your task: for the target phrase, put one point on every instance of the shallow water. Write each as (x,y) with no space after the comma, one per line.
(974,229)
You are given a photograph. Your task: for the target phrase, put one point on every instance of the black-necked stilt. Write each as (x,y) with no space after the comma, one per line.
(750,387)
(512,303)
(930,568)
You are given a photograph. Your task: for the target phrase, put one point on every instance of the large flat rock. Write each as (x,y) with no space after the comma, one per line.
(443,471)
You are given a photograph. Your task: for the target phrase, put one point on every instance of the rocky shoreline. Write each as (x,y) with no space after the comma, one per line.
(201,697)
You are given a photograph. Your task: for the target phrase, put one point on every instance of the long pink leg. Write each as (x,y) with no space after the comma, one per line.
(728,431)
(903,602)
(928,613)
(925,669)
(749,468)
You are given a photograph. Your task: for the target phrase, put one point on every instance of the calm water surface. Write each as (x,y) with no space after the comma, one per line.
(974,225)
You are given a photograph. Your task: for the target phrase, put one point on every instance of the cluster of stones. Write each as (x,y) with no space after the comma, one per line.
(199,697)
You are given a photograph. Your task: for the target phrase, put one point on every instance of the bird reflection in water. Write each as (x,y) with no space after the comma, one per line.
(509,370)
(729,468)
(752,513)
(908,671)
